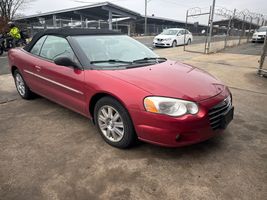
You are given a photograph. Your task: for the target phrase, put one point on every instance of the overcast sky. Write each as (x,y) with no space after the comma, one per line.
(174,9)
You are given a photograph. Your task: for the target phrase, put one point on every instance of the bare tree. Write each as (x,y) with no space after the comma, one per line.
(9,8)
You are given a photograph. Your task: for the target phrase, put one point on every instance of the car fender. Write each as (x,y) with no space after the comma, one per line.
(129,95)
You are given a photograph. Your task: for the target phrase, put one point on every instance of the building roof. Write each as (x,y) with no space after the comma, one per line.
(236,22)
(92,11)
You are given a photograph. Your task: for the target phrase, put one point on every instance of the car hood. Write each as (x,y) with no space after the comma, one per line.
(164,36)
(172,79)
(260,33)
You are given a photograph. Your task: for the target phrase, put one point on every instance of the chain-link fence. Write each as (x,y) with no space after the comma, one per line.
(221,28)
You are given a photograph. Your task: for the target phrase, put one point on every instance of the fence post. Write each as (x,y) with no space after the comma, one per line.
(242,33)
(258,23)
(249,28)
(185,26)
(211,26)
(228,28)
(263,55)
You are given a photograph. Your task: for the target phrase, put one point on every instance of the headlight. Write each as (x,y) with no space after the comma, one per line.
(170,106)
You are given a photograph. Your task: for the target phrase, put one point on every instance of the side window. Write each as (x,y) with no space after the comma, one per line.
(56,46)
(38,45)
(180,33)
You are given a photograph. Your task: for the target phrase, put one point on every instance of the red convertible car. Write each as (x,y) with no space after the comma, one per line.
(127,90)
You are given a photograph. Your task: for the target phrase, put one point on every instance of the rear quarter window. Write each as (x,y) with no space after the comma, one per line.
(38,45)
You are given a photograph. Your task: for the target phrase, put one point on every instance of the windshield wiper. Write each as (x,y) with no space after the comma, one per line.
(110,61)
(147,59)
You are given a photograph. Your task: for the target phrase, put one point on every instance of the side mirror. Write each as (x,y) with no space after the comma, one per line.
(65,61)
(178,34)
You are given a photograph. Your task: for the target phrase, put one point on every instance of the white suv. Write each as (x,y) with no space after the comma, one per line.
(173,37)
(260,34)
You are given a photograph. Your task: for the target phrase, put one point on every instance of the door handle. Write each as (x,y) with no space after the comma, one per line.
(38,68)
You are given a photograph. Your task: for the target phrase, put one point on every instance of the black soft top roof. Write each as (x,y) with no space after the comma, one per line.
(65,32)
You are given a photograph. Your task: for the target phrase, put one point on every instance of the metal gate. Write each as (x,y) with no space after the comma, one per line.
(198,23)
(216,28)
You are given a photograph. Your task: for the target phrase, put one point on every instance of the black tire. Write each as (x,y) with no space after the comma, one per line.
(28,94)
(174,44)
(188,42)
(129,137)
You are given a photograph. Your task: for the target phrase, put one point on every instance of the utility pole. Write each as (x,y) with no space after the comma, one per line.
(145,17)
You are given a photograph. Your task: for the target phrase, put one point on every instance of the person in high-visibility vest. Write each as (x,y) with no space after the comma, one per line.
(14,33)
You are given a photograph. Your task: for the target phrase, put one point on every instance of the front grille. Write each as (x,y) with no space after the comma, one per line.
(217,112)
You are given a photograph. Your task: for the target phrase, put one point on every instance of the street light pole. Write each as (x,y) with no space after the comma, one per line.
(145,17)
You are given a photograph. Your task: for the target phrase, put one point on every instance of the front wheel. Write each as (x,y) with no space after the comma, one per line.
(174,44)
(22,88)
(114,123)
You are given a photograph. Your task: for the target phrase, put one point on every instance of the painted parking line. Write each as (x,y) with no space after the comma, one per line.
(3,57)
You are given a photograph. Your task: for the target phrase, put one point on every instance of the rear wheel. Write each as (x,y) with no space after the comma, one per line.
(114,123)
(174,43)
(188,42)
(22,88)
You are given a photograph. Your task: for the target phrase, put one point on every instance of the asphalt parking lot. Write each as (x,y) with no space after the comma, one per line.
(49,152)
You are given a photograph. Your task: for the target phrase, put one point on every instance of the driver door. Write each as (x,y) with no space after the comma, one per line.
(62,84)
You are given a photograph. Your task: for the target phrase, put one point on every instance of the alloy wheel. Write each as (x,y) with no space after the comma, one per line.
(20,84)
(110,123)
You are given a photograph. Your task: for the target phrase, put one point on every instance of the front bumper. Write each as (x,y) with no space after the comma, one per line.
(165,43)
(175,132)
(258,38)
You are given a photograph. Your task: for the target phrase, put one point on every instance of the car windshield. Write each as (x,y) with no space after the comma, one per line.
(169,32)
(114,50)
(262,29)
